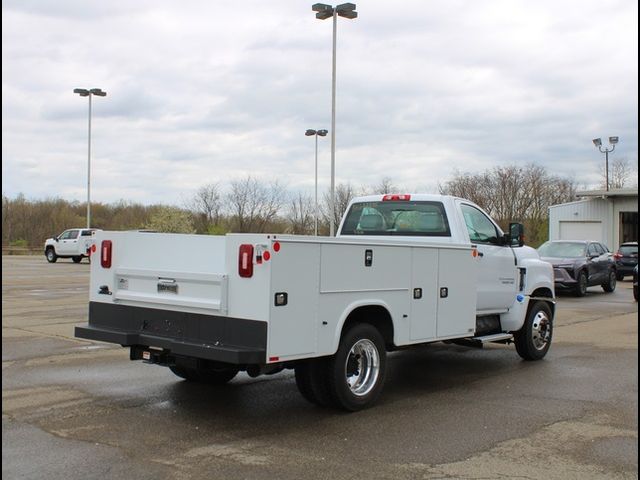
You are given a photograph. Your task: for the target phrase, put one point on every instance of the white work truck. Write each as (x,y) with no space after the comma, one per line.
(403,270)
(73,243)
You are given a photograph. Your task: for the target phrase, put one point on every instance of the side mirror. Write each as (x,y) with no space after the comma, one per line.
(55,238)
(516,234)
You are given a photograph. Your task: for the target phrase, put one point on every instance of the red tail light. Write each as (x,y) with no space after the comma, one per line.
(105,254)
(245,260)
(396,198)
(617,256)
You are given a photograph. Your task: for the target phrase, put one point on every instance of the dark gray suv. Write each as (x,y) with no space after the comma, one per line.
(578,264)
(626,259)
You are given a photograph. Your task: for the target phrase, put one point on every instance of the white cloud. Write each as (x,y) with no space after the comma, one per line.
(211,91)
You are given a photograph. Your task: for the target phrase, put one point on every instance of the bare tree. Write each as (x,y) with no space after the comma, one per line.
(514,193)
(300,215)
(385,186)
(344,193)
(206,206)
(254,204)
(207,202)
(621,173)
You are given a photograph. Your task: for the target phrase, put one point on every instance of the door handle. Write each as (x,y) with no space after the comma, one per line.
(480,254)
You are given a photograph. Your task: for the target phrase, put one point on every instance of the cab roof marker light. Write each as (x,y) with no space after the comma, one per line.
(396,198)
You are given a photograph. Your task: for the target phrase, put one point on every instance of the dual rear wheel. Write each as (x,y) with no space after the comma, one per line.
(353,378)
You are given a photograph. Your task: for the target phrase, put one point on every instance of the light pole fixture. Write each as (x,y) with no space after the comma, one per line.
(83,92)
(315,133)
(598,143)
(323,12)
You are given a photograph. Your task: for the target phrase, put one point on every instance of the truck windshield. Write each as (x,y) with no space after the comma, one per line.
(397,218)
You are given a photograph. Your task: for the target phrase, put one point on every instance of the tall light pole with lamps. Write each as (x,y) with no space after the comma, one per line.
(83,92)
(598,143)
(324,11)
(310,132)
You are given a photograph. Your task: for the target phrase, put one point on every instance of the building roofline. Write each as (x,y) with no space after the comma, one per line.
(622,192)
(570,203)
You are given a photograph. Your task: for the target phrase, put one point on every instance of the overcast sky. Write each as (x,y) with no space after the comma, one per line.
(210,91)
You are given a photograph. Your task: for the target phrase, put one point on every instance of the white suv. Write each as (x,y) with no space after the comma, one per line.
(74,243)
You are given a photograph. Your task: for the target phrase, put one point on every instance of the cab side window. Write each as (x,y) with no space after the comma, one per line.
(594,250)
(73,234)
(480,228)
(64,235)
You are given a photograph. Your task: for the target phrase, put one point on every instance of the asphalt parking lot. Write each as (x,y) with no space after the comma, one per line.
(74,409)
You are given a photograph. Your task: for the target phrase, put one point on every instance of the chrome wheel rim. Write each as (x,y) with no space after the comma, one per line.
(362,367)
(612,280)
(50,255)
(540,330)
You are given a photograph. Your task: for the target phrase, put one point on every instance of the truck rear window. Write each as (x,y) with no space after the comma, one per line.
(397,218)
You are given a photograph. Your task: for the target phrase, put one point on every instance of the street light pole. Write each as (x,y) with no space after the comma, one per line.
(83,92)
(310,132)
(598,143)
(324,11)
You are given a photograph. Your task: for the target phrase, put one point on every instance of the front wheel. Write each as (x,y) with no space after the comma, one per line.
(583,283)
(51,255)
(534,338)
(610,285)
(620,276)
(356,372)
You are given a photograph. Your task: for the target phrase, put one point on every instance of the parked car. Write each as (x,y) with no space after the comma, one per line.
(578,264)
(635,282)
(626,259)
(73,243)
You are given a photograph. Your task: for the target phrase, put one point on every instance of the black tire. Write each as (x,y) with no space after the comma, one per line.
(635,293)
(620,276)
(76,259)
(610,285)
(212,377)
(313,382)
(51,255)
(303,381)
(583,283)
(533,340)
(361,354)
(186,373)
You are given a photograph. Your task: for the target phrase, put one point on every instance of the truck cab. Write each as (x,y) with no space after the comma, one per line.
(503,259)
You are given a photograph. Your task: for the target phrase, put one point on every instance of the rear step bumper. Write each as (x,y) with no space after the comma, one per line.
(223,339)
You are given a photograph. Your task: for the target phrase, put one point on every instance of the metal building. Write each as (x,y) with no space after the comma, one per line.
(610,217)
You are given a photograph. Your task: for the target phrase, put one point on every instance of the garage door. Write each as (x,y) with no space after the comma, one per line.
(581,231)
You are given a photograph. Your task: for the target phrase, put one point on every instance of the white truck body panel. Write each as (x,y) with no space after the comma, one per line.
(325,280)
